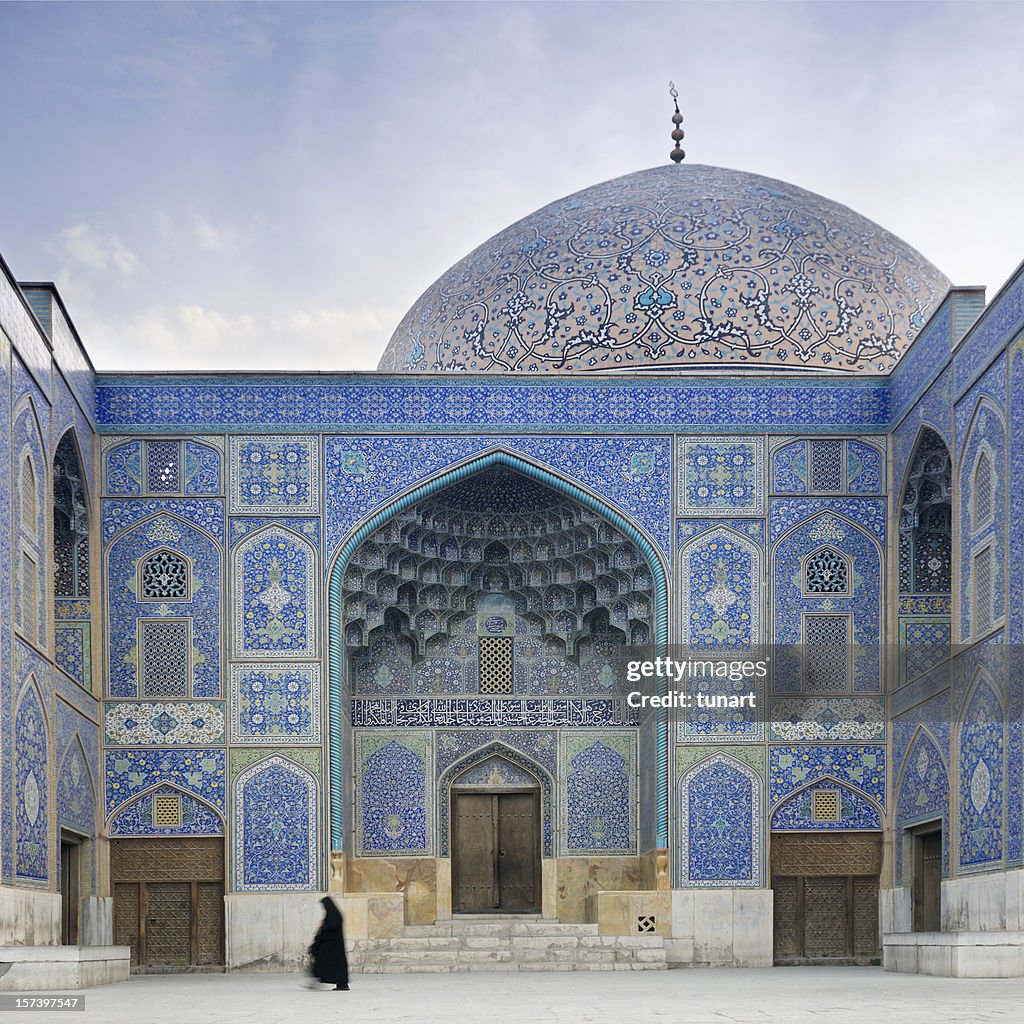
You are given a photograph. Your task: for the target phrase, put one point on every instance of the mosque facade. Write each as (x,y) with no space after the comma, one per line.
(266,636)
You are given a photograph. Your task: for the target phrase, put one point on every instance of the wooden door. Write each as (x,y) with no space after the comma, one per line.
(518,859)
(70,873)
(169,901)
(474,851)
(496,852)
(928,882)
(168,923)
(826,901)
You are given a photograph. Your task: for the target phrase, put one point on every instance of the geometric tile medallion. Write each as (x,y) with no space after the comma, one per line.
(269,473)
(275,703)
(720,476)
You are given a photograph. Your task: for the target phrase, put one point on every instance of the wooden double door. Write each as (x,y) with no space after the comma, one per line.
(495,851)
(826,897)
(169,902)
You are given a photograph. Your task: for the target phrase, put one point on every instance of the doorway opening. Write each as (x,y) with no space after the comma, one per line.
(927,877)
(826,897)
(496,844)
(169,902)
(70,887)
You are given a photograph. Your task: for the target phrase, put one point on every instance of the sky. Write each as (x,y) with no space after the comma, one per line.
(264,186)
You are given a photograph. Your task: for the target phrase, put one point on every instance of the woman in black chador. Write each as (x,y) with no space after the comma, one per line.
(328,961)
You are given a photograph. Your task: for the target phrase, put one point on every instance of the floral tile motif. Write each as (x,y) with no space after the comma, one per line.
(76,803)
(136,818)
(122,465)
(827,719)
(130,772)
(632,474)
(275,703)
(922,794)
(599,793)
(32,788)
(276,839)
(723,475)
(163,723)
(797,608)
(924,642)
(854,812)
(720,824)
(789,468)
(270,473)
(201,469)
(206,513)
(354,404)
(393,807)
(72,650)
(861,766)
(201,611)
(980,789)
(693,267)
(274,574)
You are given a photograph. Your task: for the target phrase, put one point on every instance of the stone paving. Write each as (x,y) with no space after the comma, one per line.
(788,995)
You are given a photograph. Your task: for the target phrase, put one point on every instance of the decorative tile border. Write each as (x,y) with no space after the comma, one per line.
(163,723)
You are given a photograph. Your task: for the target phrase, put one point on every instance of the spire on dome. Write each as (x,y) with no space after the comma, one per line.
(677,119)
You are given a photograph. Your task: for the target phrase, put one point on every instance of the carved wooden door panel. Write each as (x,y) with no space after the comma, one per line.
(168,923)
(826,914)
(826,896)
(518,856)
(169,901)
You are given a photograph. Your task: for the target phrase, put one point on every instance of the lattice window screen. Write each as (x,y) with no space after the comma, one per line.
(164,576)
(825,805)
(984,491)
(164,657)
(984,591)
(826,572)
(164,465)
(496,664)
(29,596)
(826,465)
(826,652)
(167,811)
(29,506)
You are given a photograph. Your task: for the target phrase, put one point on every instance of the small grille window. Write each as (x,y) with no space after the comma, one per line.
(825,805)
(495,664)
(164,466)
(167,811)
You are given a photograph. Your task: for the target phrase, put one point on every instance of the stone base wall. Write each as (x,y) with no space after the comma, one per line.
(994,954)
(272,931)
(56,968)
(984,903)
(29,917)
(721,928)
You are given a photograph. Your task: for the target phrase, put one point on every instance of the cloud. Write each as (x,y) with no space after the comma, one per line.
(86,247)
(191,336)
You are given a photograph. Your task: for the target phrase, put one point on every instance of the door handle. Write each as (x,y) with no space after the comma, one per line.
(501,853)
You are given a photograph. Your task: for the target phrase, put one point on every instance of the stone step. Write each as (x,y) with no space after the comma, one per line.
(496,927)
(422,950)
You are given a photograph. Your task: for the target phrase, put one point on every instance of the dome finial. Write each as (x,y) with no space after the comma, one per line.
(677,119)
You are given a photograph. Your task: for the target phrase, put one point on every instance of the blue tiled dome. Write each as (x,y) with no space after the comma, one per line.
(675,268)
